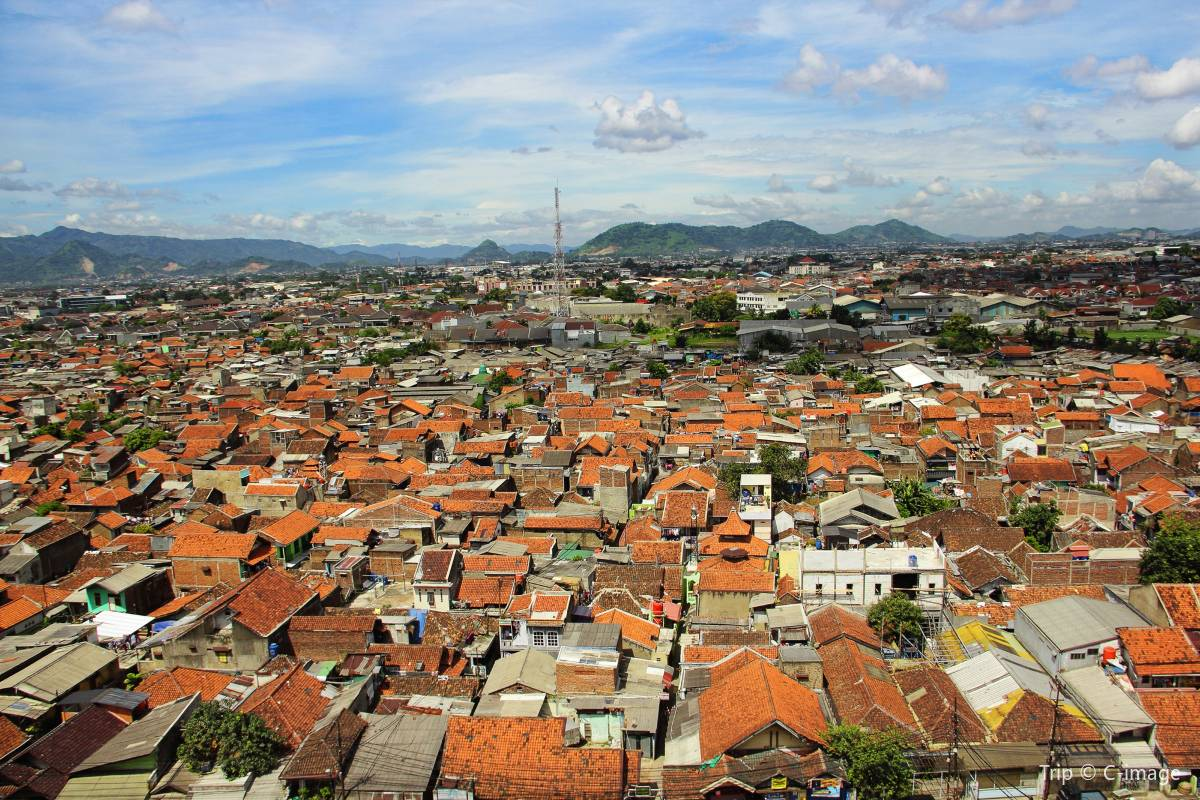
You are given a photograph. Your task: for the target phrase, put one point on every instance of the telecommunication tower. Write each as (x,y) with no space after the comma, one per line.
(560,265)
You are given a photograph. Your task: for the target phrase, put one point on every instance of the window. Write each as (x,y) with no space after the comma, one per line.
(223,658)
(933,586)
(878,589)
(849,588)
(1093,651)
(430,598)
(1078,656)
(539,637)
(206,571)
(820,588)
(552,638)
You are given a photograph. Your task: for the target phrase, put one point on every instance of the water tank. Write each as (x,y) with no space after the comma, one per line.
(912,562)
(656,608)
(273,649)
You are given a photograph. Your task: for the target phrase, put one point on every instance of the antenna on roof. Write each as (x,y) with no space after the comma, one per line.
(560,266)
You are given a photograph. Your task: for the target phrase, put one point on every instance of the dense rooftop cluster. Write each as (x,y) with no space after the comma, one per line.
(684,541)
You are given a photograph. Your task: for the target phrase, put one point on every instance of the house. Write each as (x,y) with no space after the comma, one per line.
(727,585)
(49,552)
(749,707)
(240,630)
(1071,632)
(131,762)
(202,557)
(331,637)
(48,673)
(1160,658)
(863,577)
(503,757)
(535,620)
(841,519)
(437,578)
(42,769)
(419,737)
(133,589)
(291,535)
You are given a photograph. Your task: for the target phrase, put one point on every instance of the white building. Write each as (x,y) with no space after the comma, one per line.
(863,577)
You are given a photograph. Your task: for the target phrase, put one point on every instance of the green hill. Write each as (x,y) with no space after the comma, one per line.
(641,239)
(487,250)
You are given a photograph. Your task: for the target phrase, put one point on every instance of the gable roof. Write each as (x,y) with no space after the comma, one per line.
(751,698)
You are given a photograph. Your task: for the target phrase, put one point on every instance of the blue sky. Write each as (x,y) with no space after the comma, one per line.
(430,122)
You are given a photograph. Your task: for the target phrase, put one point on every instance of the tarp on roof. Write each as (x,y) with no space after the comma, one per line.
(118,786)
(117,625)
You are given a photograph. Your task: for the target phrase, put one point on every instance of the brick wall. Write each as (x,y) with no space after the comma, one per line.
(392,565)
(1059,569)
(585,678)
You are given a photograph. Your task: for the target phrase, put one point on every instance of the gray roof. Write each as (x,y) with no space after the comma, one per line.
(534,669)
(1104,701)
(591,635)
(397,753)
(59,671)
(130,576)
(142,737)
(1073,622)
(836,508)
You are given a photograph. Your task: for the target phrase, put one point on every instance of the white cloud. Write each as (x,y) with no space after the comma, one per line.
(893,76)
(642,127)
(889,75)
(269,223)
(778,185)
(1041,148)
(983,198)
(982,15)
(8,184)
(12,167)
(1034,201)
(826,184)
(938,186)
(811,72)
(1182,79)
(1037,115)
(93,187)
(1186,130)
(1163,181)
(857,175)
(137,15)
(899,12)
(1089,67)
(14,230)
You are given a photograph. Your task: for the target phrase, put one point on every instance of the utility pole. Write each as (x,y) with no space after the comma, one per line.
(1050,757)
(953,779)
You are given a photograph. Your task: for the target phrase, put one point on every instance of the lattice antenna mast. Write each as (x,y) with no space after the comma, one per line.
(560,266)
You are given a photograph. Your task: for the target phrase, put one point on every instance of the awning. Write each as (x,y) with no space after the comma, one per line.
(117,625)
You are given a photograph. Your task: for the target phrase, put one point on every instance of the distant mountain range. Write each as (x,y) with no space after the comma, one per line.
(1071,233)
(68,255)
(434,253)
(641,239)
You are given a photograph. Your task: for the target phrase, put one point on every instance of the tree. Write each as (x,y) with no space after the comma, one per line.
(960,336)
(124,369)
(498,380)
(1167,307)
(773,341)
(1038,520)
(642,327)
(1100,339)
(1174,552)
(807,363)
(679,339)
(622,293)
(877,762)
(45,508)
(816,312)
(915,499)
(658,369)
(716,307)
(786,471)
(240,744)
(868,384)
(895,616)
(144,439)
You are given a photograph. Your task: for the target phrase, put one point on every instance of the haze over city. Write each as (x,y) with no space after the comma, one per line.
(451,122)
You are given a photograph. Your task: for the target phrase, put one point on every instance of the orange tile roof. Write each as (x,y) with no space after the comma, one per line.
(165,685)
(1160,651)
(213,545)
(747,700)
(507,757)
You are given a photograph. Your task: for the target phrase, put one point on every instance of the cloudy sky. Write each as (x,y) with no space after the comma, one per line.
(447,121)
